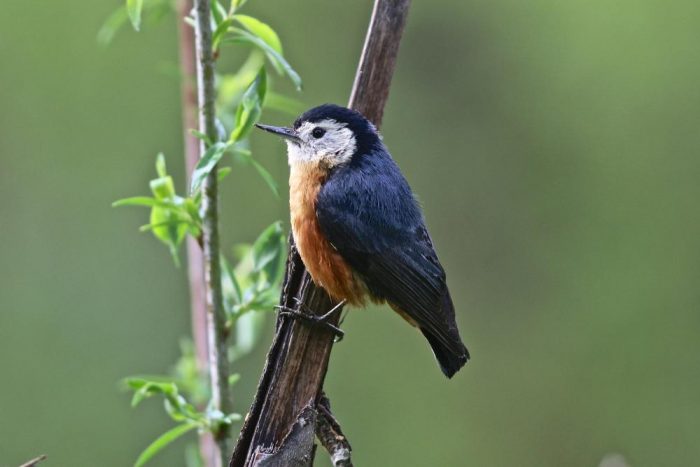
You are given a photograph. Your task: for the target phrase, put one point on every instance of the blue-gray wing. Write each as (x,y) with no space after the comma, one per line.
(368,213)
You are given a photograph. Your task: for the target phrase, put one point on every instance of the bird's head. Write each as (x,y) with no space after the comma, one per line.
(329,135)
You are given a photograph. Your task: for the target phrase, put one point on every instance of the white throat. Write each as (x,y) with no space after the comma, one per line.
(335,147)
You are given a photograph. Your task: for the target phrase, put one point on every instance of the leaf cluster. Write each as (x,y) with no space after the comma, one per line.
(180,409)
(172,217)
(251,283)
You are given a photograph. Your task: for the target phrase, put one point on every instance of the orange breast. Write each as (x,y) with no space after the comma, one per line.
(327,268)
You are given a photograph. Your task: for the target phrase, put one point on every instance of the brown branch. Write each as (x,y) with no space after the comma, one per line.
(293,374)
(370,91)
(292,380)
(331,436)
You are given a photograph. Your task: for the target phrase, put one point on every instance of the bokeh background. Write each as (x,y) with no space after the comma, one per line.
(553,145)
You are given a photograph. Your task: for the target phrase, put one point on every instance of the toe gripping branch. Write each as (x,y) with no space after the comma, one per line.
(303,314)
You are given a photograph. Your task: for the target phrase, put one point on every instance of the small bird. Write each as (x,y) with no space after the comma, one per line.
(358,227)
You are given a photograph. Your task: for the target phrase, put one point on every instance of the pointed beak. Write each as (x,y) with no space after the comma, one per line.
(286,133)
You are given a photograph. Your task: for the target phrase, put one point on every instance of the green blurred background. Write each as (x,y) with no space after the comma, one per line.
(553,145)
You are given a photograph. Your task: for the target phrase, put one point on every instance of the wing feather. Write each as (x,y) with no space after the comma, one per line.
(368,213)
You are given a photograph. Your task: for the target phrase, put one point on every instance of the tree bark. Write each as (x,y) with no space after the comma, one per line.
(276,430)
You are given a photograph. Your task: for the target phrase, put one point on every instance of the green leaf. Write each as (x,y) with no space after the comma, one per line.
(261,30)
(217,11)
(267,250)
(139,201)
(242,149)
(223,172)
(173,223)
(241,250)
(172,217)
(168,229)
(233,379)
(157,9)
(163,188)
(191,206)
(166,219)
(135,383)
(236,4)
(266,176)
(187,374)
(277,60)
(249,328)
(205,165)
(145,388)
(134,8)
(200,136)
(231,86)
(230,285)
(220,31)
(160,165)
(179,409)
(284,104)
(162,441)
(248,111)
(111,25)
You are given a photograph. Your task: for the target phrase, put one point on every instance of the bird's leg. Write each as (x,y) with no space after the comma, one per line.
(313,319)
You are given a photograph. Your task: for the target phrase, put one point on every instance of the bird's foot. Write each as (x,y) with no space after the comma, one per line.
(314,320)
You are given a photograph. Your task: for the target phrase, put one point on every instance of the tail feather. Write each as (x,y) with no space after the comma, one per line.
(448,348)
(449,359)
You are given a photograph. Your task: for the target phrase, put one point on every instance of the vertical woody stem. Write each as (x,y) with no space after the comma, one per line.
(216,318)
(195,256)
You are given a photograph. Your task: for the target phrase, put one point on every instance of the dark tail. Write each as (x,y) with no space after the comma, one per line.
(449,358)
(448,348)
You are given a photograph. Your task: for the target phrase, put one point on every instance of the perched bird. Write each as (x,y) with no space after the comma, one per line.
(359,229)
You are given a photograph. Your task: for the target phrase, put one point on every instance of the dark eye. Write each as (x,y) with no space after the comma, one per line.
(318,132)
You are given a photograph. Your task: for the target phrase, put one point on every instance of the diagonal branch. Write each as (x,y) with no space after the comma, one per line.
(291,384)
(34,462)
(370,91)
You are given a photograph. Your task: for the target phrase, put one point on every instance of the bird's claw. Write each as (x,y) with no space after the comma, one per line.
(314,320)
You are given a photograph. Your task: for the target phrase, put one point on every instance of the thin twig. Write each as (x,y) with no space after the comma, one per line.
(195,256)
(216,318)
(331,436)
(34,461)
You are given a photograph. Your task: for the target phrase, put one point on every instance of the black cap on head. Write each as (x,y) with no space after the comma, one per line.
(365,132)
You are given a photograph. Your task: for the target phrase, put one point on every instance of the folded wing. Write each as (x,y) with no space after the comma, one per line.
(370,216)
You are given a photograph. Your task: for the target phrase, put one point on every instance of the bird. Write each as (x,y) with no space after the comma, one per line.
(359,229)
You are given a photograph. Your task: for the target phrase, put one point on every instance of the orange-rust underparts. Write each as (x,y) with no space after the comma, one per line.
(327,268)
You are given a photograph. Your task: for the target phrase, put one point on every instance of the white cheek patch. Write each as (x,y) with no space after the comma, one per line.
(335,147)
